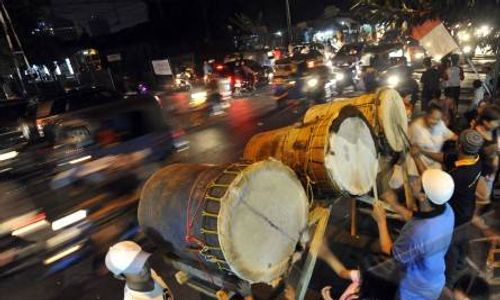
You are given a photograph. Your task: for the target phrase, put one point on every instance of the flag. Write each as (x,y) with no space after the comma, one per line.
(435,38)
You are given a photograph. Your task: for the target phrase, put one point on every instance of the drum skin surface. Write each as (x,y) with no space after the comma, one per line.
(306,148)
(241,220)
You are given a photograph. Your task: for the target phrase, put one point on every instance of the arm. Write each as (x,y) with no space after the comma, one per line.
(385,237)
(439,157)
(391,198)
(417,153)
(327,256)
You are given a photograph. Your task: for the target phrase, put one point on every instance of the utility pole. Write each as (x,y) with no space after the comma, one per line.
(289,21)
(7,24)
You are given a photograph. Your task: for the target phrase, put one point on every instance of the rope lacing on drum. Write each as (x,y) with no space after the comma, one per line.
(310,190)
(207,250)
(190,238)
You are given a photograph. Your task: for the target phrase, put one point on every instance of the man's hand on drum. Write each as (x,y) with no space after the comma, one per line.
(378,213)
(415,151)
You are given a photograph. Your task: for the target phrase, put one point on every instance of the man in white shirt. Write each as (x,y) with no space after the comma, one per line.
(453,76)
(430,133)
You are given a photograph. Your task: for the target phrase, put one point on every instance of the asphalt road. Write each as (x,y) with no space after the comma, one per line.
(220,140)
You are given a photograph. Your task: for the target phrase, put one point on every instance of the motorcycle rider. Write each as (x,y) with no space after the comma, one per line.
(249,74)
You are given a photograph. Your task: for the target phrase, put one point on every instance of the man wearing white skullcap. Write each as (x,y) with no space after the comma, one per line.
(424,239)
(465,169)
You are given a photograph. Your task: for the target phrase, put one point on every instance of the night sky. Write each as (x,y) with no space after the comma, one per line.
(125,13)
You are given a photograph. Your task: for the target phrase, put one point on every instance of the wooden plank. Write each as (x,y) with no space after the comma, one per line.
(320,216)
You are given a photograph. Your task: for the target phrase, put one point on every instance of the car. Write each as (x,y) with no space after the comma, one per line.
(400,78)
(232,70)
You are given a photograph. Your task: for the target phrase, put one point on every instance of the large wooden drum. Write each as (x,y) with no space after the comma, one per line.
(384,111)
(241,220)
(334,154)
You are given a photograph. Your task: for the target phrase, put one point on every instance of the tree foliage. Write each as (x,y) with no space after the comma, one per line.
(246,24)
(414,12)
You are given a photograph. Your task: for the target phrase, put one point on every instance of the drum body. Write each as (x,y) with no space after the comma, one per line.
(330,152)
(384,111)
(243,220)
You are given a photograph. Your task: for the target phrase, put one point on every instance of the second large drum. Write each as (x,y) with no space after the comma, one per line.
(334,154)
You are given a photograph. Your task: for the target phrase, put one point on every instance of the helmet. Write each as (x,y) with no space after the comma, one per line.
(126,258)
(438,186)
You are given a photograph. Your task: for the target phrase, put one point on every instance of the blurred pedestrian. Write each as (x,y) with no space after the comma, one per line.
(207,72)
(430,81)
(429,133)
(479,93)
(424,239)
(486,125)
(448,107)
(489,79)
(453,76)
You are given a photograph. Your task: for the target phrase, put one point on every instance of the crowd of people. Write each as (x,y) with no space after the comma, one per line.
(451,171)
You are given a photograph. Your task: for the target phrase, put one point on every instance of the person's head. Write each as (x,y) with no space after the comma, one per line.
(433,115)
(405,94)
(445,60)
(489,117)
(481,106)
(471,287)
(470,142)
(477,84)
(437,188)
(427,62)
(455,59)
(487,69)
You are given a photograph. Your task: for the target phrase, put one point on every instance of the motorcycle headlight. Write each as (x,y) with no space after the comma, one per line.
(393,81)
(339,76)
(312,82)
(199,97)
(419,55)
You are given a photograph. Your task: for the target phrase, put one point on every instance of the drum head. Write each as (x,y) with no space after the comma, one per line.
(351,159)
(392,118)
(261,221)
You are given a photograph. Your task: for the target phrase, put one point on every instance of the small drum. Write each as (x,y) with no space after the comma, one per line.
(384,110)
(243,219)
(335,153)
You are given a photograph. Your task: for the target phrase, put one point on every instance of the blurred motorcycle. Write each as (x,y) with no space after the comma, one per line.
(242,87)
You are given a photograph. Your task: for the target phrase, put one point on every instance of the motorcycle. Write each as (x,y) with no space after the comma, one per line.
(242,87)
(346,77)
(182,82)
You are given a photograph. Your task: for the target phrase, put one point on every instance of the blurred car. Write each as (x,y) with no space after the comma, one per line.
(349,54)
(316,85)
(232,71)
(400,78)
(73,192)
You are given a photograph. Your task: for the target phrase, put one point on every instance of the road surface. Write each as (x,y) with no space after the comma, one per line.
(220,140)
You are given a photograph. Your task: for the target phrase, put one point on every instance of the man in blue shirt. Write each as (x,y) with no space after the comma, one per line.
(424,240)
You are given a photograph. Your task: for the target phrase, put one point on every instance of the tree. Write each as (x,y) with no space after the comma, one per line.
(245,24)
(404,14)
